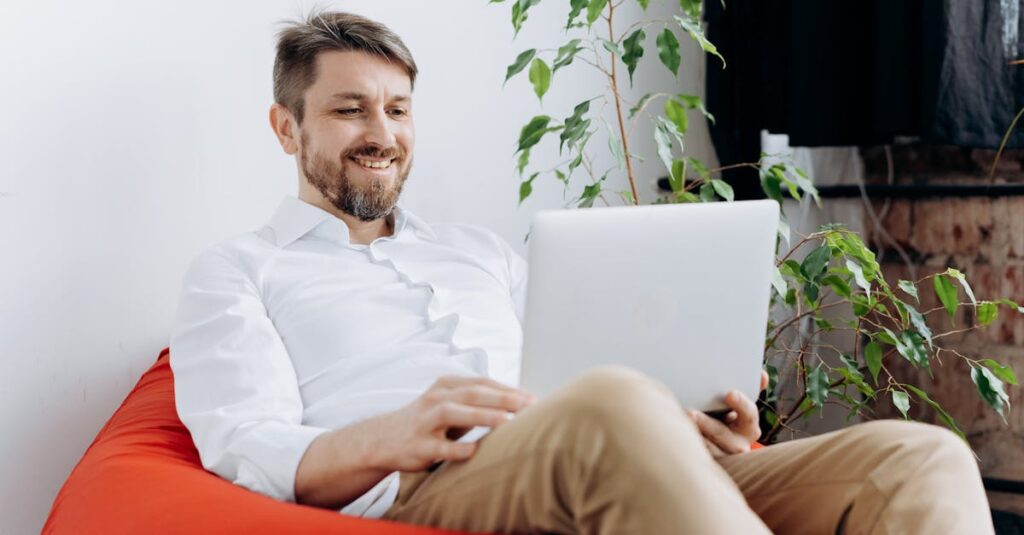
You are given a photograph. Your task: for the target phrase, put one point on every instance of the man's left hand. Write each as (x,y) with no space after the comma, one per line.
(737,430)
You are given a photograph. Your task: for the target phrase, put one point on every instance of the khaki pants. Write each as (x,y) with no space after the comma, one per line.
(612,453)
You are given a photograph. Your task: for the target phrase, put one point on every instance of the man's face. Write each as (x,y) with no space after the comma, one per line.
(357,133)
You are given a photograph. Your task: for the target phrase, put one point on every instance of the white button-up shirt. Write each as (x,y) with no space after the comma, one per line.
(290,331)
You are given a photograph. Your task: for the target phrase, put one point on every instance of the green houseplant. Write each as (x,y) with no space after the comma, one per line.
(837,287)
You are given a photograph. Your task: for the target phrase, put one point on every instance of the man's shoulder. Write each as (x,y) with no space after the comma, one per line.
(244,252)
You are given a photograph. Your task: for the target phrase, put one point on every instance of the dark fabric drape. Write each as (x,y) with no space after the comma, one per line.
(862,72)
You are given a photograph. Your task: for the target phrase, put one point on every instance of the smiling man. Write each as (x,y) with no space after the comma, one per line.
(351,356)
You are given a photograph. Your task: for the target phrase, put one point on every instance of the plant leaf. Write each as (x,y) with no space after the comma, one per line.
(640,104)
(575,126)
(910,289)
(723,189)
(873,358)
(990,388)
(533,131)
(817,386)
(526,188)
(902,402)
(779,282)
(910,345)
(858,275)
(1003,372)
(540,77)
(576,7)
(520,63)
(668,50)
(519,10)
(633,50)
(644,3)
(594,10)
(692,26)
(987,312)
(566,53)
(956,274)
(943,415)
(815,262)
(947,294)
(615,146)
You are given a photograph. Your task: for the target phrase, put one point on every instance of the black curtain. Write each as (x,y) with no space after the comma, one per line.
(862,72)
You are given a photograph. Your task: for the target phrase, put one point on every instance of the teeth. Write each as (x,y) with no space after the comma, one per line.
(374,165)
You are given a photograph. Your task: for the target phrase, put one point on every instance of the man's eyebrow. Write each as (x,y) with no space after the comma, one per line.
(355,95)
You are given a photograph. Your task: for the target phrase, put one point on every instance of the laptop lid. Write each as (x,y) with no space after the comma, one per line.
(679,292)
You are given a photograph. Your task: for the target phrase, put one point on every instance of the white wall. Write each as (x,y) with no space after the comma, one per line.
(135,134)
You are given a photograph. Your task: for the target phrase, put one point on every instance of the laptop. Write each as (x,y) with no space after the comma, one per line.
(679,292)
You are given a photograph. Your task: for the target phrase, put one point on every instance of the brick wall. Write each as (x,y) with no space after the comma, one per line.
(984,238)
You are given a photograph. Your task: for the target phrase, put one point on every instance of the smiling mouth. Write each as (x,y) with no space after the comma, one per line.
(374,164)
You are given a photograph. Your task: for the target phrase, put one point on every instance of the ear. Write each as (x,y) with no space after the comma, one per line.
(285,128)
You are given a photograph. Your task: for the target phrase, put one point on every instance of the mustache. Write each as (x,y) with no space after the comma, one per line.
(371,151)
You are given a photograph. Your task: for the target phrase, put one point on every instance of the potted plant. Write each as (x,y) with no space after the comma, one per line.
(836,286)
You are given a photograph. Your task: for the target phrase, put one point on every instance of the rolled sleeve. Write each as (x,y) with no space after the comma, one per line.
(234,383)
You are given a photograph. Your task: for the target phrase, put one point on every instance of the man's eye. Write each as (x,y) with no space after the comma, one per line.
(399,112)
(348,111)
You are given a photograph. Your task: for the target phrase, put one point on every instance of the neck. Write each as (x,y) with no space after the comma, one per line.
(359,231)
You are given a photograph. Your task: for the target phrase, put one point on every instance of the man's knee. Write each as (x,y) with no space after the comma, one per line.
(918,440)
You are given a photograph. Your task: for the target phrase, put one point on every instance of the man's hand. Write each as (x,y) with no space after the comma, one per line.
(740,426)
(413,437)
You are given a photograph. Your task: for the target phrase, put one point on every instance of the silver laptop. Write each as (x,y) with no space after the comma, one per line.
(679,292)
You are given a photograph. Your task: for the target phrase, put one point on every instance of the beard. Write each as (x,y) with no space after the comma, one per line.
(367,202)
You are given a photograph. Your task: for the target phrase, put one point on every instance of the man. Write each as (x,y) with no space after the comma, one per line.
(349,355)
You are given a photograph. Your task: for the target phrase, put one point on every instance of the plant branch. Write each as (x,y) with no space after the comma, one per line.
(618,112)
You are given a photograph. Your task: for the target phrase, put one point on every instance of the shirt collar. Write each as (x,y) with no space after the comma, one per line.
(295,218)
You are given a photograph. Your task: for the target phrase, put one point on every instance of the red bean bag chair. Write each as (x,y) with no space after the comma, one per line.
(142,474)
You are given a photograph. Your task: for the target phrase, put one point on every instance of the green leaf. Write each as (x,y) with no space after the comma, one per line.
(533,131)
(1012,304)
(990,388)
(676,113)
(723,189)
(566,53)
(917,319)
(640,104)
(692,7)
(633,51)
(540,77)
(838,285)
(576,7)
(594,10)
(663,139)
(575,126)
(611,47)
(1003,372)
(987,312)
(873,358)
(947,294)
(815,262)
(817,386)
(858,275)
(590,193)
(956,274)
(520,63)
(668,50)
(692,26)
(943,415)
(902,402)
(615,146)
(526,188)
(853,375)
(779,282)
(909,288)
(676,175)
(707,192)
(524,159)
(644,3)
(910,345)
(519,10)
(695,102)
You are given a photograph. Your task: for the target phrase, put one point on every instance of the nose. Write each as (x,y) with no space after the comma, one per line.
(378,129)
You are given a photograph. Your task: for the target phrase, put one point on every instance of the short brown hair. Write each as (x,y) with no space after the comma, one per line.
(299,43)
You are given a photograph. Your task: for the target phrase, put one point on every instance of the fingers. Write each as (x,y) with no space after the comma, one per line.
(443,450)
(454,381)
(746,420)
(478,395)
(764,380)
(720,434)
(450,414)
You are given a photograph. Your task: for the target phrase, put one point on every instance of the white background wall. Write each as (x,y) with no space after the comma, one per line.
(135,134)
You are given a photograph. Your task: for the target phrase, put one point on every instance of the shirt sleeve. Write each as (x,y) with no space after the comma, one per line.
(234,383)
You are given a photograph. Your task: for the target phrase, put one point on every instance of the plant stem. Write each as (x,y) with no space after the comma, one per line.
(618,111)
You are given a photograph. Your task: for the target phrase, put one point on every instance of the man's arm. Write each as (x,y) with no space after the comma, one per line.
(341,465)
(235,386)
